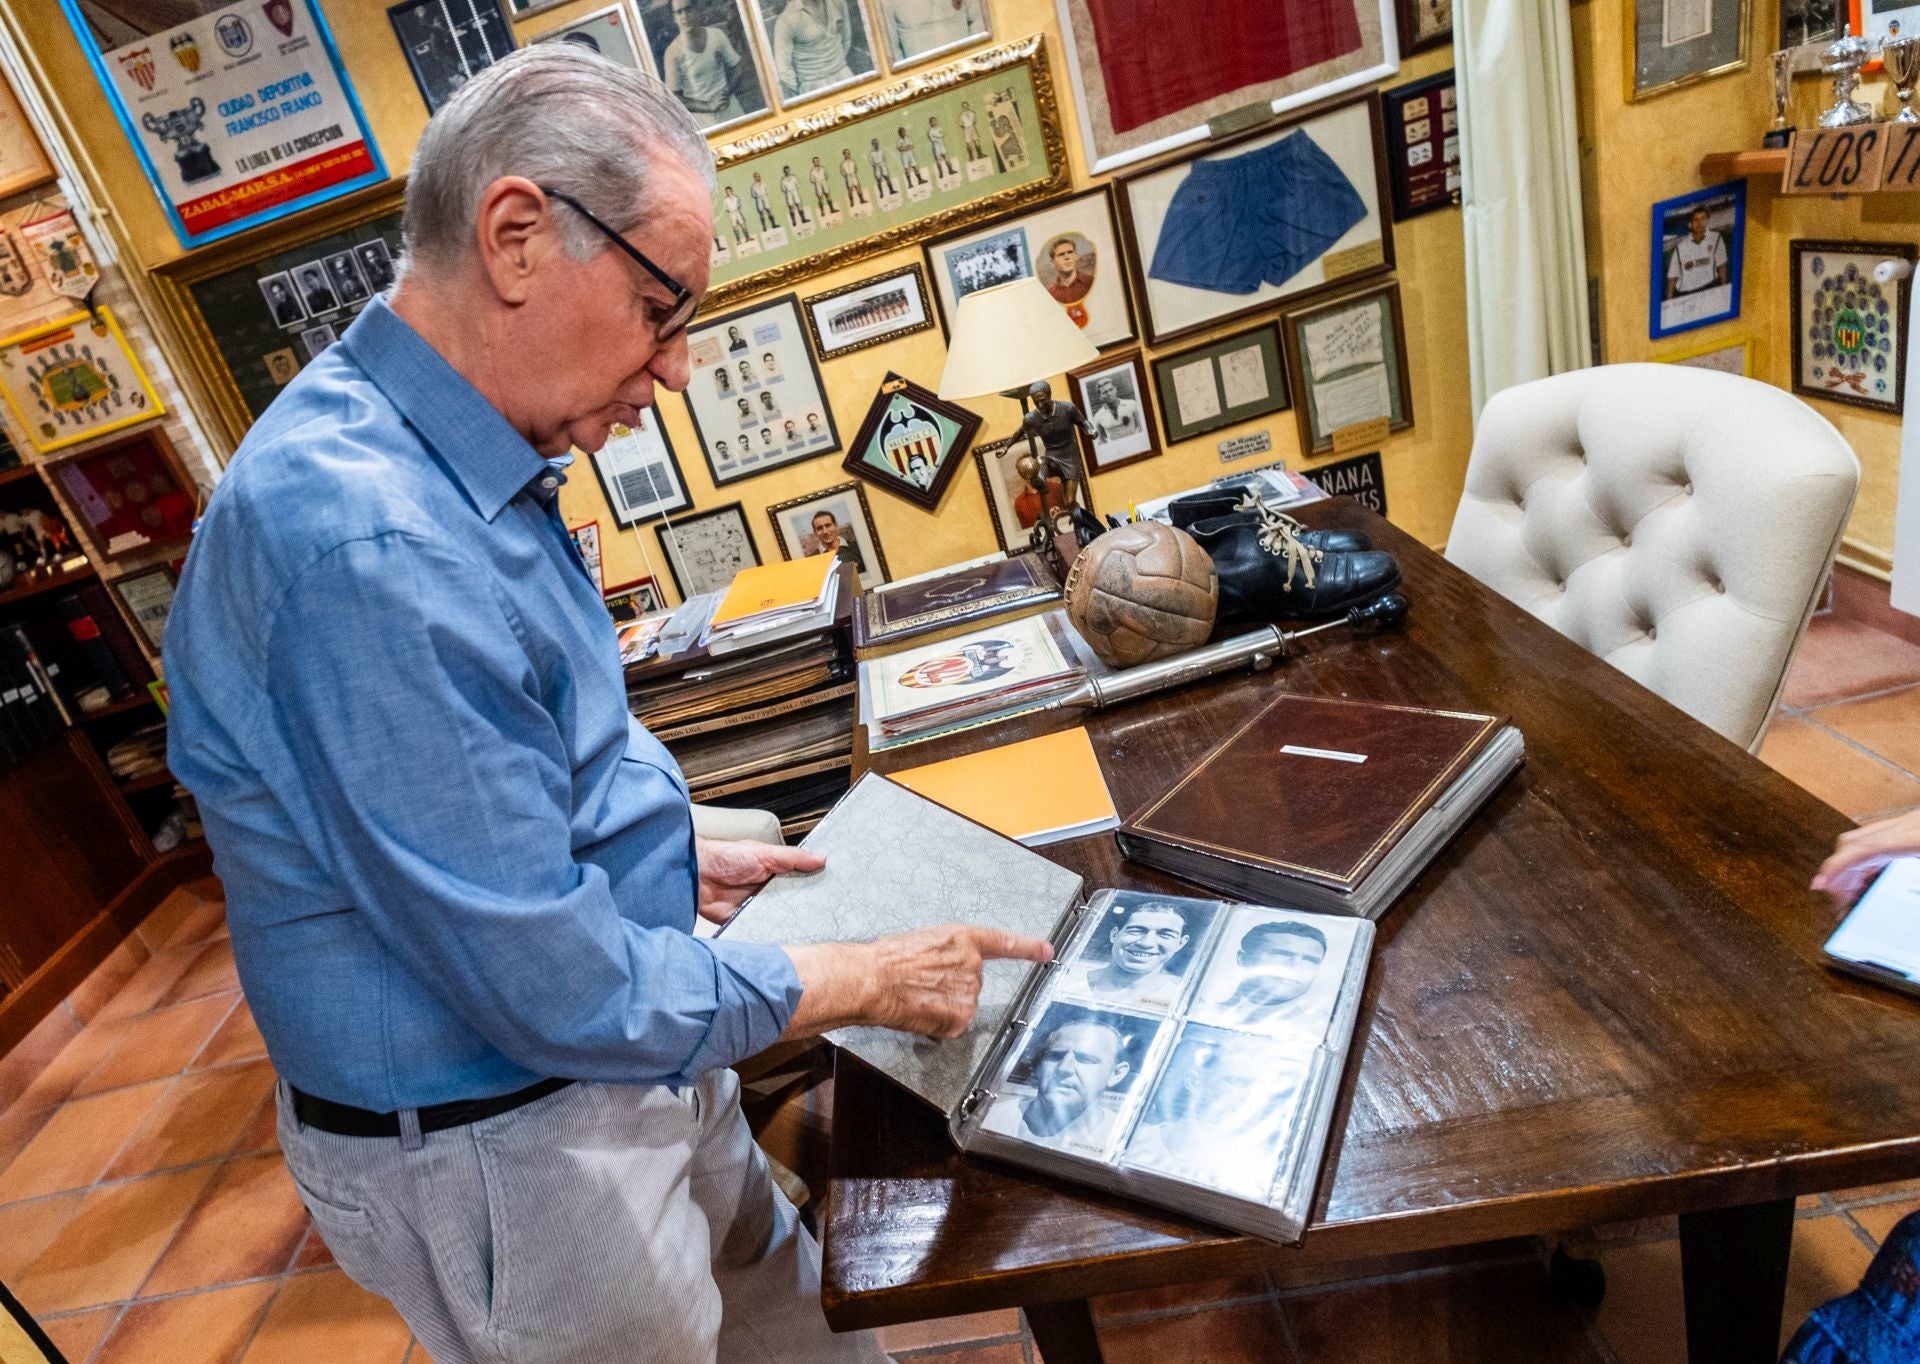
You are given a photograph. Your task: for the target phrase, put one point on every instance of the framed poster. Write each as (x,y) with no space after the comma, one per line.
(1349,367)
(24,163)
(1113,393)
(914,31)
(240,113)
(1222,382)
(835,521)
(956,145)
(705,549)
(814,46)
(1195,259)
(1423,145)
(449,42)
(586,543)
(146,598)
(1148,80)
(1072,246)
(755,393)
(874,310)
(1676,43)
(246,338)
(47,268)
(1424,24)
(700,48)
(911,442)
(1729,357)
(1698,242)
(1810,21)
(1012,502)
(612,32)
(74,380)
(631,600)
(134,495)
(1849,329)
(638,474)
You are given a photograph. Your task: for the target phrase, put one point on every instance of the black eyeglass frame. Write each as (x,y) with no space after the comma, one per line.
(685,302)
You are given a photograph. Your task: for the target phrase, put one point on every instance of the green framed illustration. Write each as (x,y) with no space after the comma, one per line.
(952,146)
(911,443)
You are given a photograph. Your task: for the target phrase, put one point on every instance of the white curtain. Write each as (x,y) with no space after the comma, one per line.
(1520,192)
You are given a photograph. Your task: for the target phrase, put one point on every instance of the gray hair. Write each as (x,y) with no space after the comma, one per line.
(563,117)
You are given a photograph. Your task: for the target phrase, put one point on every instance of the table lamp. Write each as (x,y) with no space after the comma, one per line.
(1004,339)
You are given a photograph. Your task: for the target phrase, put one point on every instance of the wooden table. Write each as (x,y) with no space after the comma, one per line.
(1602,1001)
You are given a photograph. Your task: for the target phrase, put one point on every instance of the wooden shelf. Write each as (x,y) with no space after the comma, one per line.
(118,707)
(1768,162)
(15,475)
(20,591)
(147,783)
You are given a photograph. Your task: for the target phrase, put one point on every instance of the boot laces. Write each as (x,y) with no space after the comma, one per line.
(1280,535)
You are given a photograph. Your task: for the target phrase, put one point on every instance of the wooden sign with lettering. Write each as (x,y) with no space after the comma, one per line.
(1900,168)
(1835,160)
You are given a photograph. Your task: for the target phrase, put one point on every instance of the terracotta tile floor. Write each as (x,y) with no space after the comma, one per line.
(145,1213)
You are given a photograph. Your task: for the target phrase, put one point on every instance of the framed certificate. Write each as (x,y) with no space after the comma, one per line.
(638,473)
(1349,362)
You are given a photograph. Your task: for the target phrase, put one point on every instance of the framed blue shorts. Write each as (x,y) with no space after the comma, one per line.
(1258,218)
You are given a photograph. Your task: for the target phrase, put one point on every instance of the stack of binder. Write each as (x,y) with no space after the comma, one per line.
(31,714)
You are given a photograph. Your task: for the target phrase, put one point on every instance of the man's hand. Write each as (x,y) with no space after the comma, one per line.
(1859,854)
(731,869)
(926,981)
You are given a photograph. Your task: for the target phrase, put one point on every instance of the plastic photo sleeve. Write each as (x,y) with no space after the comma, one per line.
(1071,1084)
(1139,951)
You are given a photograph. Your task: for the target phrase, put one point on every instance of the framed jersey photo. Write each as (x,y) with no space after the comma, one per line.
(1698,241)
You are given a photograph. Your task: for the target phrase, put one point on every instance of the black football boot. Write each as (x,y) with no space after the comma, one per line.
(1268,571)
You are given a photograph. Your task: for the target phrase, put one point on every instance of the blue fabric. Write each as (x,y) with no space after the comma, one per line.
(1877,1323)
(1258,218)
(454,863)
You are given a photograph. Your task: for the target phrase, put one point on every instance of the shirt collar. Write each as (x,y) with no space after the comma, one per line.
(490,460)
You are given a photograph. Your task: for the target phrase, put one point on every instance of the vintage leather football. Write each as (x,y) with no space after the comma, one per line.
(1141,592)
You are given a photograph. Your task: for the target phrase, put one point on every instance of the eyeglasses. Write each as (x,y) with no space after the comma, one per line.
(685,302)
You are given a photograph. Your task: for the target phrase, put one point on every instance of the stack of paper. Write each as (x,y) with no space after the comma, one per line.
(640,638)
(1277,485)
(994,671)
(791,595)
(1038,791)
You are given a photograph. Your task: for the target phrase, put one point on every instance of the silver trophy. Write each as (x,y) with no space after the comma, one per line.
(1842,61)
(1781,133)
(1902,59)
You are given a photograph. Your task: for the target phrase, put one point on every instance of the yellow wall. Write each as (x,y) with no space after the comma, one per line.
(1424,466)
(1635,154)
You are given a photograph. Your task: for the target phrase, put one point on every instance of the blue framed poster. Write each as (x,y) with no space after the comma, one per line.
(1698,242)
(240,115)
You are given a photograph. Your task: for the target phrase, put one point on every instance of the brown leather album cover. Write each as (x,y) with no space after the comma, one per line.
(954,601)
(1317,788)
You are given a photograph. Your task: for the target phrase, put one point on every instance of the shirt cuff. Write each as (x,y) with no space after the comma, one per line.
(756,989)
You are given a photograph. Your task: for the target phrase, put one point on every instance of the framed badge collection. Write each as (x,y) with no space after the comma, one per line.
(1849,328)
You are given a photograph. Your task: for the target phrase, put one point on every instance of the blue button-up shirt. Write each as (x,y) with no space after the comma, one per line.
(454,863)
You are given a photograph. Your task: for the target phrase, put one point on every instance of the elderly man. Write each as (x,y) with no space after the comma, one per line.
(461,880)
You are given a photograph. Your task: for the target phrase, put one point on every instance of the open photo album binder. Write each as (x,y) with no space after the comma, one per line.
(1186,1052)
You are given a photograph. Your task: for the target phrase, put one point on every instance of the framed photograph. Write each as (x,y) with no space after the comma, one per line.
(1424,24)
(1729,357)
(834,521)
(523,9)
(612,32)
(755,392)
(1698,242)
(133,495)
(874,310)
(75,380)
(1810,21)
(1148,80)
(586,543)
(1850,330)
(638,474)
(1113,393)
(1071,245)
(954,145)
(1348,360)
(47,269)
(631,600)
(24,163)
(1676,43)
(186,80)
(706,548)
(1423,145)
(1193,261)
(706,58)
(914,31)
(449,42)
(145,598)
(1221,383)
(1012,502)
(814,46)
(911,442)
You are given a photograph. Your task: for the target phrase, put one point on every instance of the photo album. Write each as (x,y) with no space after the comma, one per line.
(1181,1051)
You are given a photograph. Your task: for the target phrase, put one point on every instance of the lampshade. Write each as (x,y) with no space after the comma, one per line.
(1009,336)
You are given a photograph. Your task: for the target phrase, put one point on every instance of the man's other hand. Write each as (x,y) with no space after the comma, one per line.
(731,869)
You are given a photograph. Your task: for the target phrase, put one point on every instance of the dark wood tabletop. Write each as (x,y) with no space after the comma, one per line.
(1603,1000)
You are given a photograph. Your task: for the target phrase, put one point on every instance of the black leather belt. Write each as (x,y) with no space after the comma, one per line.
(347,1121)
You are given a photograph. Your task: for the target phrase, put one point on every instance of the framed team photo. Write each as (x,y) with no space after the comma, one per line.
(612,32)
(639,475)
(702,52)
(1013,503)
(1675,43)
(1113,393)
(814,46)
(1849,329)
(913,31)
(865,314)
(911,442)
(755,392)
(1071,245)
(1698,243)
(704,549)
(834,521)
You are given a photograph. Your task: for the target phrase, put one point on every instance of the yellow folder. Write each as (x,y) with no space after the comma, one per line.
(774,587)
(1037,791)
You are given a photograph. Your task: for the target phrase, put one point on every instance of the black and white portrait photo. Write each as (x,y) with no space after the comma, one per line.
(316,294)
(282,302)
(834,521)
(816,45)
(1067,1087)
(1113,394)
(1274,973)
(345,278)
(317,339)
(913,30)
(1220,1111)
(376,263)
(703,54)
(1139,951)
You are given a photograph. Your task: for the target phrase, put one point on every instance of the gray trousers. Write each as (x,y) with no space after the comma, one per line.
(604,1224)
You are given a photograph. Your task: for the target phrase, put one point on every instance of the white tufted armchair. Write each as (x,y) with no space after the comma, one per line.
(1678,522)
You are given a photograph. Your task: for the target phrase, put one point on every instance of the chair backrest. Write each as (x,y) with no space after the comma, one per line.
(1678,522)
